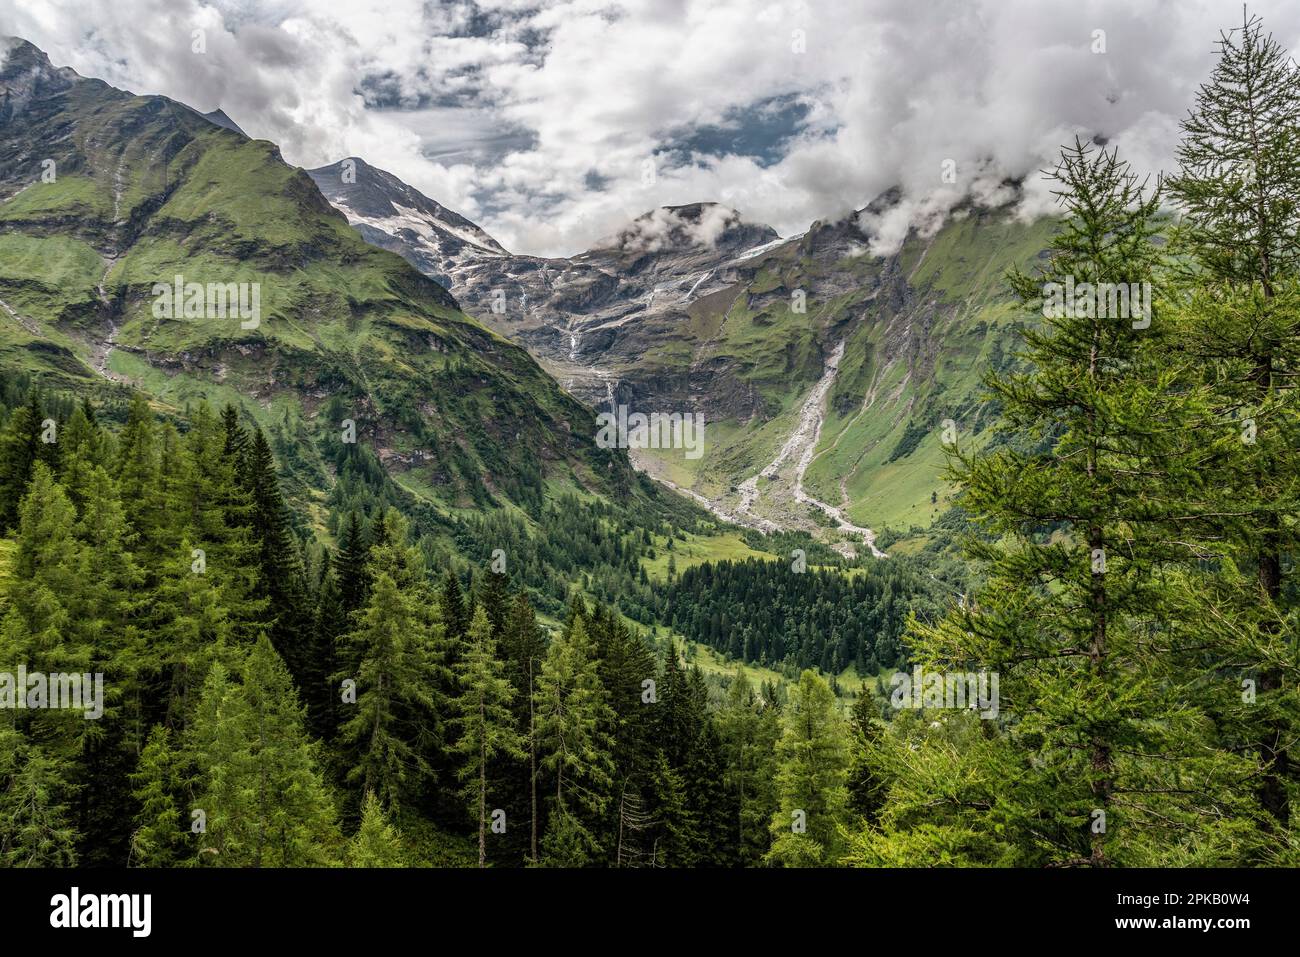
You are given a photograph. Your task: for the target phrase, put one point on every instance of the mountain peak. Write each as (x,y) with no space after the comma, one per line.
(22,53)
(392,215)
(706,224)
(25,72)
(20,58)
(219,118)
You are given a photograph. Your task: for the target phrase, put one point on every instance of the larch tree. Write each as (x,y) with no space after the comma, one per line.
(485,721)
(572,715)
(812,771)
(1238,190)
(376,843)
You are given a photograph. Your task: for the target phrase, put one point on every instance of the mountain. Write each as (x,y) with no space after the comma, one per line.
(392,215)
(576,314)
(106,198)
(219,118)
(824,372)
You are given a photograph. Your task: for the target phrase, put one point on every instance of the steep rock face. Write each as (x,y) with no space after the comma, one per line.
(107,197)
(692,309)
(219,118)
(27,76)
(589,319)
(394,216)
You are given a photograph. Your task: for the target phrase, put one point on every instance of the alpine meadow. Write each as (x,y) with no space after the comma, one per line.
(949,521)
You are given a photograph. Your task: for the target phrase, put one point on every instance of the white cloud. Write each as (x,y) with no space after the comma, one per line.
(509,107)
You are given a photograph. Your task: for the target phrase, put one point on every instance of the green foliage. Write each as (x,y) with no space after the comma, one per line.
(394,731)
(573,718)
(376,843)
(263,794)
(485,719)
(812,770)
(763,611)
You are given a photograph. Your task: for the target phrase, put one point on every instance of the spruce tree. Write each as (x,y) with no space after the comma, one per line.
(494,598)
(451,603)
(280,567)
(21,447)
(350,565)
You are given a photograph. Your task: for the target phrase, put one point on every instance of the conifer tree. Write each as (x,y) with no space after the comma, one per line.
(524,648)
(494,598)
(280,567)
(328,627)
(350,565)
(1238,188)
(749,731)
(451,603)
(376,843)
(158,838)
(265,800)
(572,716)
(140,481)
(21,447)
(235,444)
(36,827)
(485,721)
(393,733)
(813,763)
(82,449)
(1091,511)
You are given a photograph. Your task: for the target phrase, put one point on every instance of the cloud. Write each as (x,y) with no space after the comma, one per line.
(664,227)
(556,122)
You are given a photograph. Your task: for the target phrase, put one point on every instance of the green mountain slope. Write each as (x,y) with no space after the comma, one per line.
(824,373)
(104,194)
(918,329)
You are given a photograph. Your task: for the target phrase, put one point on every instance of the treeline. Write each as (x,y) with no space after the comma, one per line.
(769,613)
(551,544)
(267,704)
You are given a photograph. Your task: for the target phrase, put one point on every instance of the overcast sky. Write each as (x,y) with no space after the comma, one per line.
(553,123)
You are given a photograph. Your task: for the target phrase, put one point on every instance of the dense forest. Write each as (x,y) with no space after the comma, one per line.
(274,706)
(763,611)
(350,679)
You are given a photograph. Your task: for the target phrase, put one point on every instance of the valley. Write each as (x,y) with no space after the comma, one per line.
(823,373)
(387,544)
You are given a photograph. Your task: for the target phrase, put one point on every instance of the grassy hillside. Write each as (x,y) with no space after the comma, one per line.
(146,190)
(920,328)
